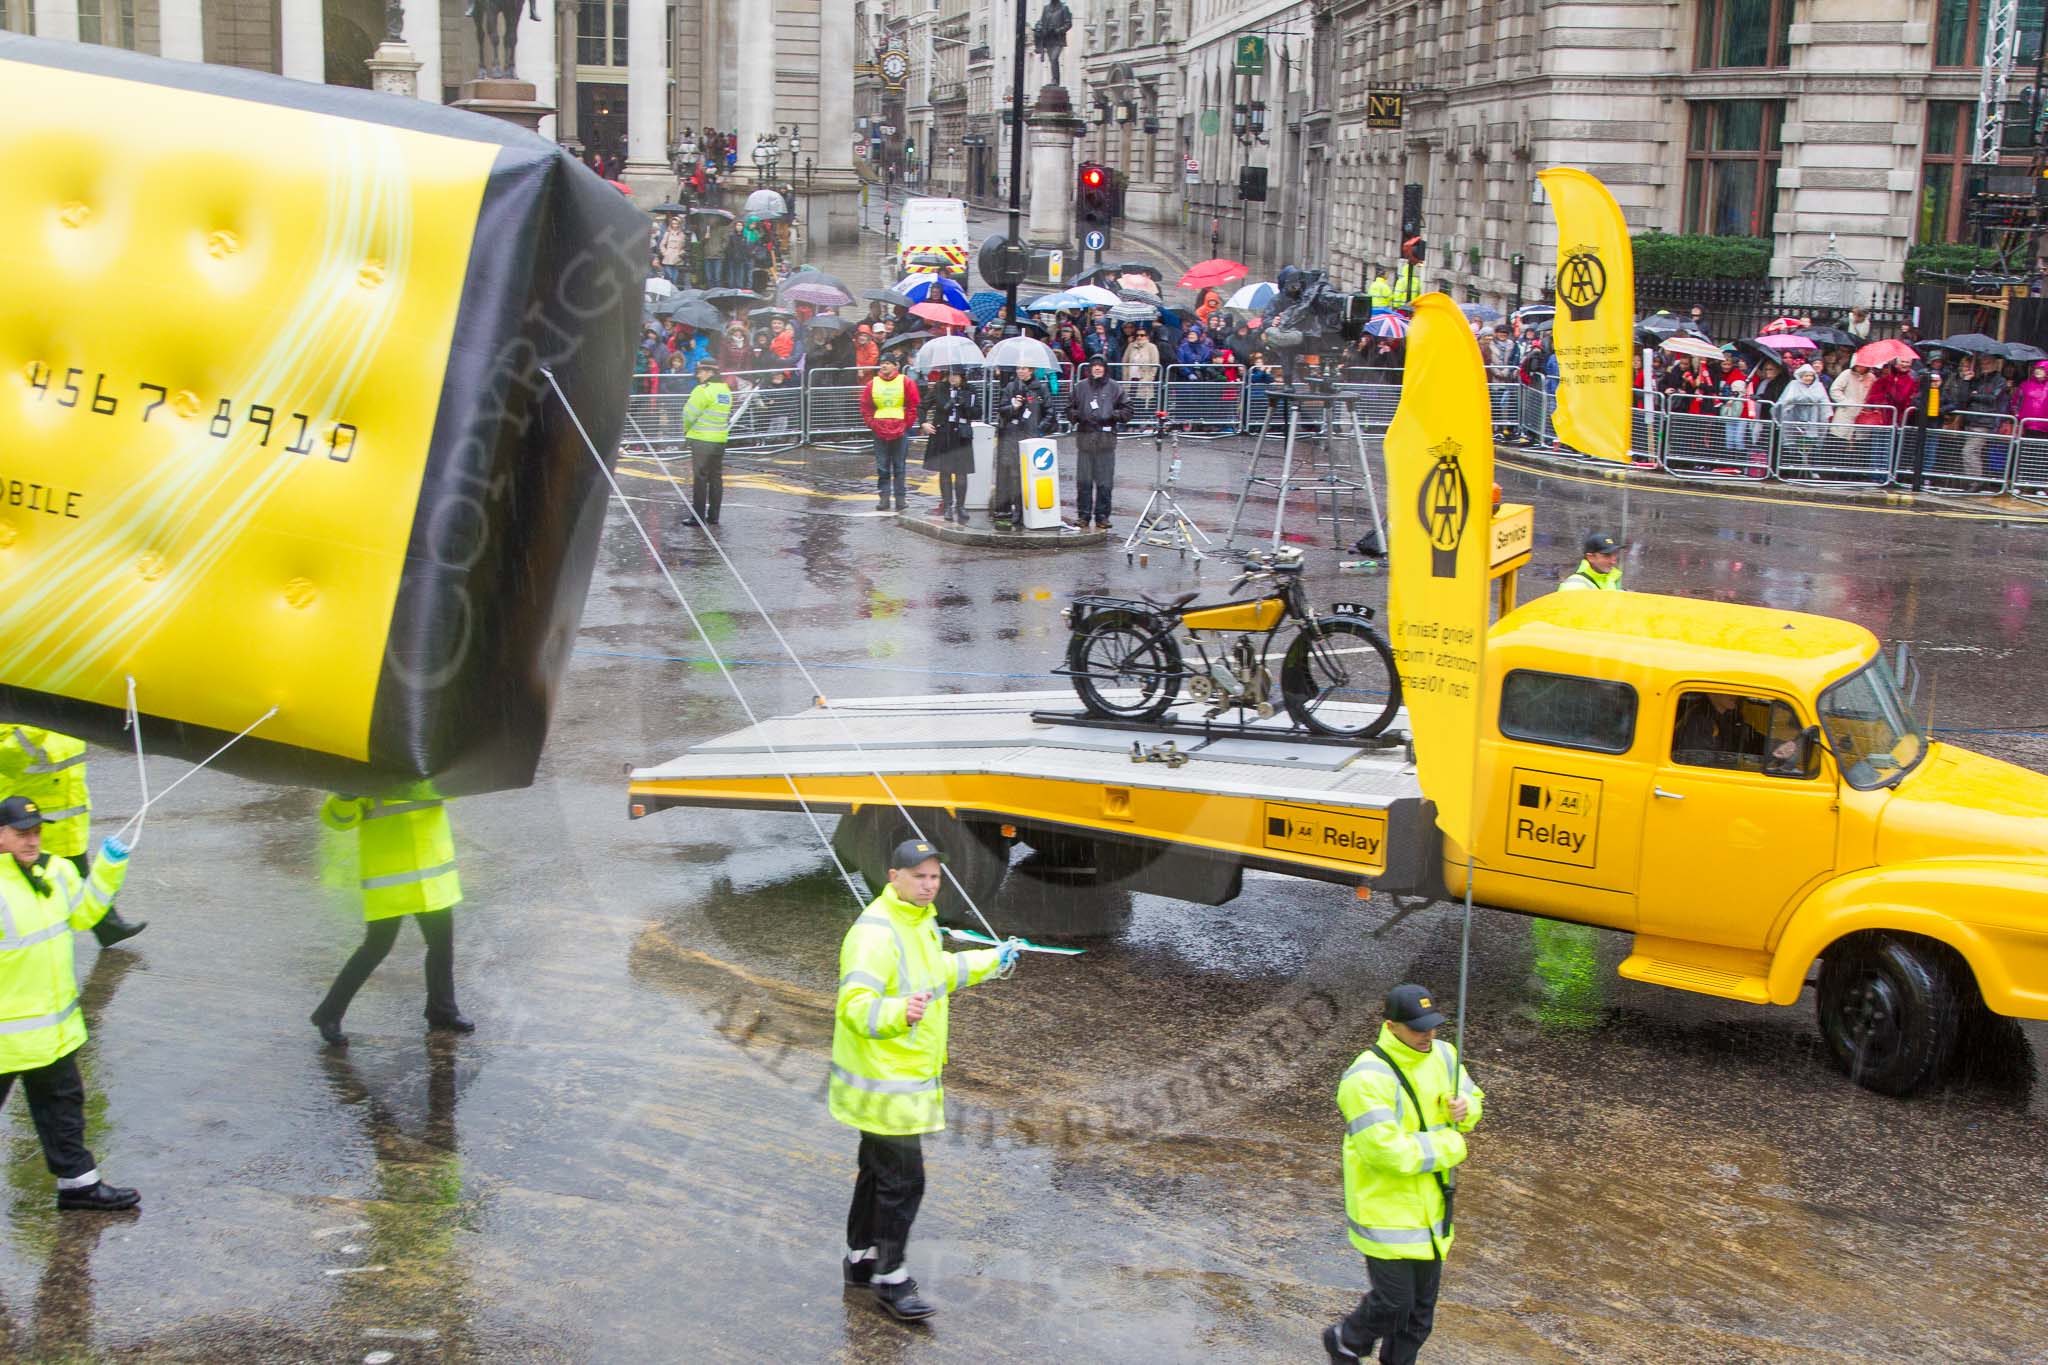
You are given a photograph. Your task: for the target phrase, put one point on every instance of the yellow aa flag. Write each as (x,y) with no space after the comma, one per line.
(1439,499)
(1596,299)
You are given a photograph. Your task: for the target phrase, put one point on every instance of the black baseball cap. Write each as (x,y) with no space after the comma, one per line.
(1599,544)
(18,812)
(911,852)
(1414,1006)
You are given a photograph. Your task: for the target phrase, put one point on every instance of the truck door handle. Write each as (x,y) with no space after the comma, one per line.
(1670,796)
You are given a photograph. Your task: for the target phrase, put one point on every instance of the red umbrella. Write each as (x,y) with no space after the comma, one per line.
(939,312)
(622,187)
(1885,352)
(1214,274)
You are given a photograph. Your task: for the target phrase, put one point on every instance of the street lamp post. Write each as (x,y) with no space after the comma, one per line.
(1248,126)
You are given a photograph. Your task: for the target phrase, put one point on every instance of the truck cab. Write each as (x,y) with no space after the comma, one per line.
(1746,791)
(933,238)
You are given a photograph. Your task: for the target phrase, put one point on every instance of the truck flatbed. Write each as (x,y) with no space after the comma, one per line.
(1263,796)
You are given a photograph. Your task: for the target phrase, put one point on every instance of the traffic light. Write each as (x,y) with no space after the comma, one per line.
(1412,250)
(1095,198)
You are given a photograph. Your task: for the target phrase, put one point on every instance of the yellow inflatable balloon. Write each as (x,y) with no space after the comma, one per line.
(273,424)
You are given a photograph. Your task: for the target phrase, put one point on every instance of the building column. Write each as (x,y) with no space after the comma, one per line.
(302,40)
(647,168)
(57,19)
(567,127)
(422,30)
(836,186)
(181,30)
(536,63)
(754,37)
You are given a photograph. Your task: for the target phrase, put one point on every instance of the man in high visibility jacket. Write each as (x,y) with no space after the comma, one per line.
(407,856)
(1599,571)
(1408,285)
(1407,1103)
(888,1050)
(49,769)
(707,420)
(43,899)
(1380,294)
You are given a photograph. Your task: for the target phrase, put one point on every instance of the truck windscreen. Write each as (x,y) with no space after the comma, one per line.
(1869,726)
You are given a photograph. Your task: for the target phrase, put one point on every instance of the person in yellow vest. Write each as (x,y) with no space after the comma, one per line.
(1380,294)
(1599,571)
(888,404)
(707,419)
(1408,285)
(407,855)
(49,769)
(888,1050)
(1407,1103)
(43,899)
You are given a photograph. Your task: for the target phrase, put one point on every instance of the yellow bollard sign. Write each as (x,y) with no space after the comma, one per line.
(273,430)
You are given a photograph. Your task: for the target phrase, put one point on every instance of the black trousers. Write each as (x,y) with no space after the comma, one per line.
(1006,501)
(885,1197)
(1094,473)
(56,1102)
(437,927)
(707,478)
(953,490)
(1399,1309)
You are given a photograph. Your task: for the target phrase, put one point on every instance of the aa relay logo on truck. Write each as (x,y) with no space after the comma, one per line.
(1347,836)
(1553,817)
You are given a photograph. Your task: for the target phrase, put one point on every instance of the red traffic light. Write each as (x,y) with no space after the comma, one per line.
(1092,176)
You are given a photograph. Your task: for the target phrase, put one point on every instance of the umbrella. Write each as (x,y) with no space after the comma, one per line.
(1214,274)
(1143,283)
(1782,342)
(1094,296)
(1131,268)
(765,204)
(1971,343)
(1134,312)
(1660,326)
(1051,303)
(622,187)
(731,298)
(826,322)
(659,288)
(2019,350)
(1481,312)
(699,314)
(936,288)
(939,313)
(888,296)
(817,295)
(670,207)
(985,304)
(906,339)
(1830,336)
(1390,325)
(946,353)
(1027,352)
(763,314)
(1779,326)
(1884,352)
(1685,344)
(1529,311)
(1251,296)
(723,214)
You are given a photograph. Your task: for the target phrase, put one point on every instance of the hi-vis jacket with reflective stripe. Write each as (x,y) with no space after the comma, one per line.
(49,769)
(406,850)
(885,1070)
(39,1018)
(1391,1153)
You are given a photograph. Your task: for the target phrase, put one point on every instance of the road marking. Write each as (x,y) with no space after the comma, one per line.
(356,1270)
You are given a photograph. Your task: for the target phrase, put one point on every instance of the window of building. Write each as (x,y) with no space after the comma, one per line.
(1742,33)
(1571,712)
(1959,32)
(601,33)
(1731,167)
(1944,164)
(110,22)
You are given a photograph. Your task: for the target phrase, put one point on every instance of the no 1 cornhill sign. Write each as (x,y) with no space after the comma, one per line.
(1383,110)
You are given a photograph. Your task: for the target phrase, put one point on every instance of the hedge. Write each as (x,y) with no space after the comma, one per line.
(1950,258)
(1696,256)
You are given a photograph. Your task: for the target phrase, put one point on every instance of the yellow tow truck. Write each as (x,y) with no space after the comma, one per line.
(1745,790)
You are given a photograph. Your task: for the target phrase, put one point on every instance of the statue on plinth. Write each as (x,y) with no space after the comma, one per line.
(497,35)
(1049,34)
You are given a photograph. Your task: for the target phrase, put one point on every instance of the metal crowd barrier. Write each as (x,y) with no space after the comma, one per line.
(2030,460)
(1840,449)
(1200,399)
(1971,459)
(1712,447)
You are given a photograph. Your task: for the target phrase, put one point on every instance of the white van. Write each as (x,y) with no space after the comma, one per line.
(935,229)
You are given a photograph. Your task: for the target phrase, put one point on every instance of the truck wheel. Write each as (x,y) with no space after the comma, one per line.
(975,855)
(1041,904)
(1889,1010)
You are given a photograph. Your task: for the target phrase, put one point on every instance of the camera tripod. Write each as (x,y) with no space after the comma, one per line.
(1165,524)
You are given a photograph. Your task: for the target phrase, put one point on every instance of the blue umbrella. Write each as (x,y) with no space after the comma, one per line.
(984,305)
(933,289)
(1052,303)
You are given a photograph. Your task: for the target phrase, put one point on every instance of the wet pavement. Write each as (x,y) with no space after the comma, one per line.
(631,1160)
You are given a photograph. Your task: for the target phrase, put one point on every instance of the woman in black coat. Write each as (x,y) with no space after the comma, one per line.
(950,413)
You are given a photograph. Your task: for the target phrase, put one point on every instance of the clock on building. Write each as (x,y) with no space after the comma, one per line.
(895,67)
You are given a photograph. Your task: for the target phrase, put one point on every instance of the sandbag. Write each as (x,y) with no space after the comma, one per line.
(273,428)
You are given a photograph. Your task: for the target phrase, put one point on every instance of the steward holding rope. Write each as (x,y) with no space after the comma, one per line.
(1407,1103)
(888,1050)
(49,769)
(43,900)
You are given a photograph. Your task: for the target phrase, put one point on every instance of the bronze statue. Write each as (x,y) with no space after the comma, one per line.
(1049,35)
(497,56)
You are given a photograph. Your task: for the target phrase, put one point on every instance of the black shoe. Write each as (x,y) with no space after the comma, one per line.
(857,1274)
(1333,1342)
(450,1023)
(901,1302)
(99,1197)
(1102,526)
(330,1031)
(882,505)
(113,929)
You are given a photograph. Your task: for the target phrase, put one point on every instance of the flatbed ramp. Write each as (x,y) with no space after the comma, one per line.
(1009,763)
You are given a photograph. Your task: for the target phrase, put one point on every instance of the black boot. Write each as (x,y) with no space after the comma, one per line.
(857,1274)
(1333,1342)
(112,928)
(902,1302)
(330,1031)
(99,1197)
(449,1022)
